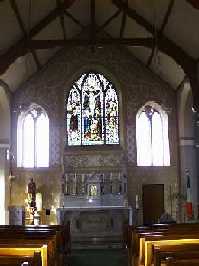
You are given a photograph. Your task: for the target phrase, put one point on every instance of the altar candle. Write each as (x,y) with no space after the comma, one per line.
(136,202)
(62,165)
(111,176)
(130,216)
(119,176)
(82,178)
(39,201)
(75,184)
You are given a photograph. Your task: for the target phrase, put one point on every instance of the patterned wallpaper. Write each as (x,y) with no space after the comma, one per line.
(136,85)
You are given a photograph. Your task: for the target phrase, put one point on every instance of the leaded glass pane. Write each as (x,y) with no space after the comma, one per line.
(28,141)
(157,140)
(152,138)
(143,139)
(74,118)
(92,111)
(111,112)
(42,141)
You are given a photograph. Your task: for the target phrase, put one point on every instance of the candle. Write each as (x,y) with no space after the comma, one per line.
(119,176)
(130,216)
(136,202)
(82,178)
(39,201)
(111,176)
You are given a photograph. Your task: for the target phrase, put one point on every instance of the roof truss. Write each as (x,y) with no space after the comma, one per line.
(167,46)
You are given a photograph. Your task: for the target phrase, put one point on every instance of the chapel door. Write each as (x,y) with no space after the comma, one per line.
(153,202)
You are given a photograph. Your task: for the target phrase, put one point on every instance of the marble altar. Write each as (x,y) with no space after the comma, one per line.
(96,206)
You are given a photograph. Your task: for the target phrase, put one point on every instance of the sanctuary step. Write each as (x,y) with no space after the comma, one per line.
(99,257)
(96,242)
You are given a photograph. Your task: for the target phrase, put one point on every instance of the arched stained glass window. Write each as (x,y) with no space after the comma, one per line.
(92,111)
(33,138)
(152,136)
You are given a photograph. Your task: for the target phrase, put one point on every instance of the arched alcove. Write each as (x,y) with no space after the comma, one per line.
(4,117)
(4,145)
(188,153)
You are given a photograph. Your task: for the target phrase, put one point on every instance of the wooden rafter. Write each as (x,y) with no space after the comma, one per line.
(15,8)
(164,23)
(170,48)
(75,20)
(61,18)
(164,44)
(21,47)
(92,22)
(47,44)
(123,22)
(108,21)
(167,15)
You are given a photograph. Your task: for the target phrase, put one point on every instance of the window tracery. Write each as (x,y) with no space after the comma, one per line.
(92,111)
(152,136)
(33,138)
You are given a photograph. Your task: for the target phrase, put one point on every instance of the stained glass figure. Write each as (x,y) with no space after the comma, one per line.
(73,117)
(92,111)
(152,137)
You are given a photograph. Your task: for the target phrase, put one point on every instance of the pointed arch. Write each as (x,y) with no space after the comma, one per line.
(152,136)
(33,138)
(92,111)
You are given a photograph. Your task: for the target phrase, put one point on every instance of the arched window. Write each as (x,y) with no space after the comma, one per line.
(92,111)
(152,136)
(33,138)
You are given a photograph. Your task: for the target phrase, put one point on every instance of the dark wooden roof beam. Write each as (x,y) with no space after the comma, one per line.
(108,21)
(92,22)
(164,23)
(47,44)
(20,48)
(15,8)
(164,44)
(75,20)
(123,22)
(61,18)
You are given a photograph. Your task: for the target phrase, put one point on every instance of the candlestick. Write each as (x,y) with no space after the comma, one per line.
(136,202)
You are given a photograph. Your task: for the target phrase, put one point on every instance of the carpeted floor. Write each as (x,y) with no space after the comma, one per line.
(108,257)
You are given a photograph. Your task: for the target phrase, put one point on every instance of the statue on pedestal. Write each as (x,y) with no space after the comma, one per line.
(32,197)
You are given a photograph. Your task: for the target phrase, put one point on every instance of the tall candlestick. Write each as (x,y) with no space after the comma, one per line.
(136,202)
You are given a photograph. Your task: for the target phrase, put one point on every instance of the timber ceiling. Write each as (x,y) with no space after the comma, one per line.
(163,34)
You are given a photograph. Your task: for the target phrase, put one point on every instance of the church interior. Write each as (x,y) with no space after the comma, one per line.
(99,132)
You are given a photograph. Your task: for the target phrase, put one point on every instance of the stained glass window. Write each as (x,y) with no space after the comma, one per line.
(33,138)
(92,111)
(152,136)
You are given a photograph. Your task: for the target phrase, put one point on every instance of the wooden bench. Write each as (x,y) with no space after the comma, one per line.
(144,239)
(53,241)
(17,260)
(175,253)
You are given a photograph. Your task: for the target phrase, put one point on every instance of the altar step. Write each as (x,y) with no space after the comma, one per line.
(99,257)
(97,243)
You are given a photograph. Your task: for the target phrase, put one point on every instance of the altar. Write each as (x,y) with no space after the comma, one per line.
(96,206)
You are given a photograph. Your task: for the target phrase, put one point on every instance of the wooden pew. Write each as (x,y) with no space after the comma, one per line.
(55,238)
(159,232)
(175,253)
(16,260)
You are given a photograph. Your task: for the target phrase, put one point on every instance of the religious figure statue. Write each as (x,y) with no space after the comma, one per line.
(32,192)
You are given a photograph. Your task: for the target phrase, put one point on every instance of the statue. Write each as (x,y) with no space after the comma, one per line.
(32,189)
(32,197)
